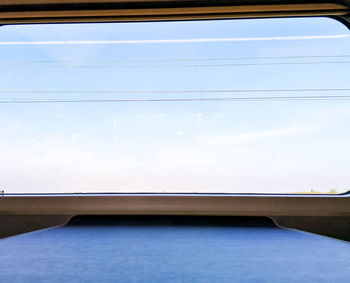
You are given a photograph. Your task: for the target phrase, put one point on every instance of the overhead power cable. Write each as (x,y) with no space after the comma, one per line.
(169,66)
(219,99)
(101,91)
(179,60)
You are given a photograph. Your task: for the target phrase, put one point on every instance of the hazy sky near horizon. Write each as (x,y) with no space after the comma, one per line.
(241,106)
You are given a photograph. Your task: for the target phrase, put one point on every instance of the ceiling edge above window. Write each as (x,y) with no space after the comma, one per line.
(157,10)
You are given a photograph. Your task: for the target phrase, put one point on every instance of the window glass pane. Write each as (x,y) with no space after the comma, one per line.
(227,106)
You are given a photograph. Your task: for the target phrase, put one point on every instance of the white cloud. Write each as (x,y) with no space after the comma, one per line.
(232,139)
(180,156)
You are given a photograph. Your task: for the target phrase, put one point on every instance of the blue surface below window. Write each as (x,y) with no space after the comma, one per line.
(172,249)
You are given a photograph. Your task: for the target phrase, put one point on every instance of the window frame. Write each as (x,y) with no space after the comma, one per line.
(274,205)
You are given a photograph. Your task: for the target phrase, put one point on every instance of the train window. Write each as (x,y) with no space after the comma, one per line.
(221,106)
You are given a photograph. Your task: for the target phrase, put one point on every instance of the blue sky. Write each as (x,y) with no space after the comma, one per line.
(177,146)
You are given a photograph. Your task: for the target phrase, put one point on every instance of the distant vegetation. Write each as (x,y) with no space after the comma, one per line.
(331,192)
